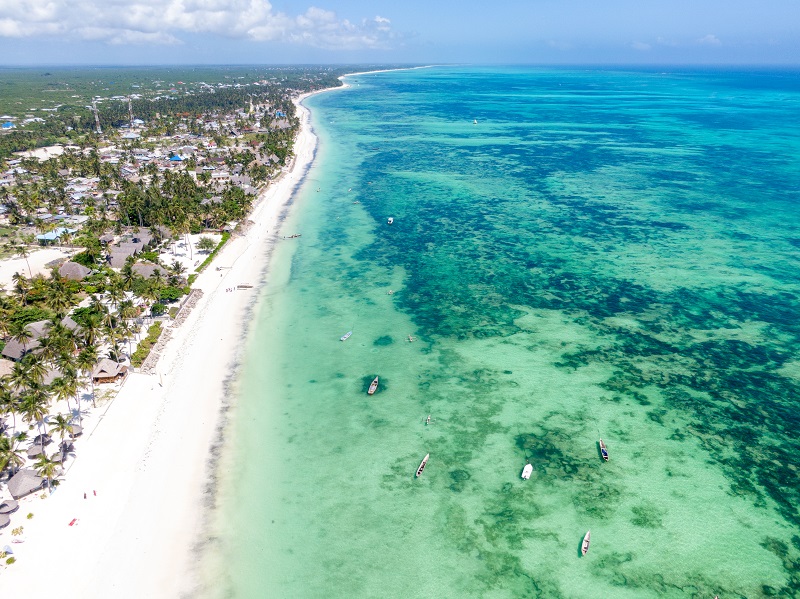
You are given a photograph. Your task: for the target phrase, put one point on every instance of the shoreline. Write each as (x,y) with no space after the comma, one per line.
(148,469)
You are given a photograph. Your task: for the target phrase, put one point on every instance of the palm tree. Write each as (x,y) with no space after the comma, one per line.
(48,469)
(10,454)
(115,293)
(22,248)
(85,361)
(21,334)
(128,275)
(60,425)
(36,368)
(8,401)
(34,406)
(90,329)
(59,298)
(64,387)
(21,287)
(19,379)
(176,272)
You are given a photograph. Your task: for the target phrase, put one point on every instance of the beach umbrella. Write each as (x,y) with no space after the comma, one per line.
(35,450)
(7,506)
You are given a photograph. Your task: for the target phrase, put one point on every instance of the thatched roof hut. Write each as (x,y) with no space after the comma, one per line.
(73,271)
(24,483)
(108,371)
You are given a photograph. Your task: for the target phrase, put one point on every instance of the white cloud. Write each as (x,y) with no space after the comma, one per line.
(643,47)
(163,22)
(709,40)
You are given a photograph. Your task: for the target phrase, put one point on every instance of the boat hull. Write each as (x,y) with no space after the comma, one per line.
(422,465)
(603,450)
(373,386)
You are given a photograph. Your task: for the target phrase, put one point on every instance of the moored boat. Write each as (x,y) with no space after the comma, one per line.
(346,336)
(390,221)
(526,471)
(603,450)
(585,545)
(422,465)
(373,386)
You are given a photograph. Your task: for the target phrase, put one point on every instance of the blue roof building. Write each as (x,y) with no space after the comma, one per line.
(8,125)
(53,235)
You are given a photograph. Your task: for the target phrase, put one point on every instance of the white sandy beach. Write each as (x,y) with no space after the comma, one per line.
(148,457)
(37,260)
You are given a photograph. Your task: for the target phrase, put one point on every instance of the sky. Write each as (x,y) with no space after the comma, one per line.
(143,32)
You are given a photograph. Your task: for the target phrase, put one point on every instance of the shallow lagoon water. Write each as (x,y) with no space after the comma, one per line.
(605,254)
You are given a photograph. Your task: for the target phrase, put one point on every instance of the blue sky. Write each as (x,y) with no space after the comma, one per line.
(399,31)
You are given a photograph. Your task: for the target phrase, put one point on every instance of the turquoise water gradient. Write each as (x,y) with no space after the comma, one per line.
(604,254)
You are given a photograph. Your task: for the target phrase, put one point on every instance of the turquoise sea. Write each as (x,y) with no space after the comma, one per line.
(605,253)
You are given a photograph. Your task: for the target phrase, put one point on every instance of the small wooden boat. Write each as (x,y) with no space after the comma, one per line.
(346,336)
(373,386)
(390,221)
(585,545)
(526,471)
(603,450)
(422,465)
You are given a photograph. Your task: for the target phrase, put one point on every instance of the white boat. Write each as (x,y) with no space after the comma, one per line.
(585,545)
(475,121)
(526,471)
(603,450)
(390,221)
(428,419)
(373,386)
(346,336)
(422,465)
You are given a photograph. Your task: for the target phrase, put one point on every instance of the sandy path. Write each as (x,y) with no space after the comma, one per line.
(148,457)
(37,260)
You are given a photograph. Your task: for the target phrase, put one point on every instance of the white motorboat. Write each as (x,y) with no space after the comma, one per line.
(373,386)
(390,221)
(603,450)
(526,471)
(422,465)
(346,336)
(585,545)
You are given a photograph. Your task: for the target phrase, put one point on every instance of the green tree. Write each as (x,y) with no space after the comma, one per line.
(85,361)
(47,468)
(10,454)
(206,244)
